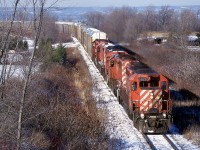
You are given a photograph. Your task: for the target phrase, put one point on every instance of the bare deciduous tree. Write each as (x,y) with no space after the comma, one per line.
(48,30)
(38,20)
(134,27)
(4,49)
(95,19)
(197,21)
(187,20)
(150,19)
(115,23)
(164,17)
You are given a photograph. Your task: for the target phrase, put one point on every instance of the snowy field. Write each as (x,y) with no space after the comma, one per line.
(19,71)
(194,48)
(16,71)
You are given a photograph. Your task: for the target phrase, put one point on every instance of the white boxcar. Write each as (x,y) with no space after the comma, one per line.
(94,34)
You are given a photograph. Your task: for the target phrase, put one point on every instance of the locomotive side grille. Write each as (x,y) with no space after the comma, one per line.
(150,99)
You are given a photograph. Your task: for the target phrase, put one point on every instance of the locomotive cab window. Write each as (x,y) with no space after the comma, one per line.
(134,86)
(112,64)
(164,85)
(143,84)
(154,82)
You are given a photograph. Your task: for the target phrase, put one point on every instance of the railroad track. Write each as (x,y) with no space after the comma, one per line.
(170,142)
(157,142)
(149,142)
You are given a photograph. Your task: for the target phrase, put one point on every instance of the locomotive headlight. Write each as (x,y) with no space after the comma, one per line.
(151,95)
(142,116)
(164,115)
(118,84)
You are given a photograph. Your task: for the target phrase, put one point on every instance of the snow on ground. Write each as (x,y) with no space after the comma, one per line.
(159,142)
(15,71)
(18,71)
(70,44)
(192,38)
(194,48)
(181,142)
(30,43)
(14,57)
(119,127)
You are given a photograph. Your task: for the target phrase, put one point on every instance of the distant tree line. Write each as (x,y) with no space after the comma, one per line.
(127,24)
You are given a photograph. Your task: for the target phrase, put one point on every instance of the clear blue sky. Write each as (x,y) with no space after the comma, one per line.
(103,3)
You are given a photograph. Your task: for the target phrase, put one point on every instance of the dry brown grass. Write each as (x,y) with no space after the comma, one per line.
(186,118)
(40,140)
(193,133)
(72,115)
(59,112)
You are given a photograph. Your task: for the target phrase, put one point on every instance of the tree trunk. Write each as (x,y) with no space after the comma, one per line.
(37,30)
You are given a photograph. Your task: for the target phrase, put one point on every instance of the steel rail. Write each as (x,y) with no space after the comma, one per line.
(170,142)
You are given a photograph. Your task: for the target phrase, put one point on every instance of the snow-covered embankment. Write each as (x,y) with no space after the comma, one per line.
(119,127)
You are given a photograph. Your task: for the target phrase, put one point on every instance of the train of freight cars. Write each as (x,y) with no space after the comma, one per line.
(143,92)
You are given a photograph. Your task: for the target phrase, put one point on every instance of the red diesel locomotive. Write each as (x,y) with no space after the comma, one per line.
(143,92)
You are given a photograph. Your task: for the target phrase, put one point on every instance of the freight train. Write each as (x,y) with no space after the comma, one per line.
(142,91)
